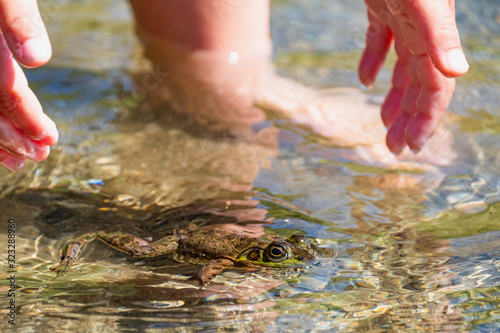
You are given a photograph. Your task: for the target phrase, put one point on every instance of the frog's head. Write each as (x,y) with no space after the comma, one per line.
(294,251)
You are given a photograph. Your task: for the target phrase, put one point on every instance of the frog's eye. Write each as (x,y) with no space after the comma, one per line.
(253,255)
(276,252)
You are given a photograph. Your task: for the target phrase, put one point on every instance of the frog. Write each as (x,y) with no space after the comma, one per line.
(216,249)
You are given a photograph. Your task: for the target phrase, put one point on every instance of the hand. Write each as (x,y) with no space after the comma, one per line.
(429,57)
(25,131)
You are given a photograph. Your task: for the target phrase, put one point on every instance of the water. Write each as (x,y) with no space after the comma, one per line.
(416,248)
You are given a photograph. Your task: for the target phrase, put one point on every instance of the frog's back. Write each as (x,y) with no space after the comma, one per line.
(211,244)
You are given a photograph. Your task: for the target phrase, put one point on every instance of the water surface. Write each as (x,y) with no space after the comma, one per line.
(416,250)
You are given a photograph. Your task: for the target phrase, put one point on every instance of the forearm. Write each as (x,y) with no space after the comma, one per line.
(219,25)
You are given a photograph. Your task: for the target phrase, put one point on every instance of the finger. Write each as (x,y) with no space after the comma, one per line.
(378,42)
(18,144)
(395,139)
(24,31)
(423,125)
(432,102)
(391,108)
(20,105)
(10,161)
(412,39)
(408,104)
(396,136)
(434,21)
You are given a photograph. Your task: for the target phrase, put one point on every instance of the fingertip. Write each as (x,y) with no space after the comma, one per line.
(416,144)
(49,136)
(395,146)
(49,140)
(369,66)
(34,52)
(40,153)
(395,139)
(364,74)
(30,119)
(12,163)
(418,132)
(457,63)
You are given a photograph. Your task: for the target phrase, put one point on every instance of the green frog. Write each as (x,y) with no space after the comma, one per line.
(217,249)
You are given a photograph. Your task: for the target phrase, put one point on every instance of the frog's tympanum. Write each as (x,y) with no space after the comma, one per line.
(217,249)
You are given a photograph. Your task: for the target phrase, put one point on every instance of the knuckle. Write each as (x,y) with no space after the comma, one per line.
(8,105)
(25,25)
(398,10)
(376,29)
(445,33)
(447,29)
(395,7)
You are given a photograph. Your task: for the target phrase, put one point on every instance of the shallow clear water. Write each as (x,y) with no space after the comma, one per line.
(415,250)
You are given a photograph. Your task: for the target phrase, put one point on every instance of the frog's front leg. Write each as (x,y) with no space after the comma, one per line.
(127,243)
(211,269)
(71,250)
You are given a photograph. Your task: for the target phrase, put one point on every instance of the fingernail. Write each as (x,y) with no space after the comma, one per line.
(39,153)
(416,144)
(456,61)
(397,150)
(35,50)
(41,136)
(49,135)
(13,163)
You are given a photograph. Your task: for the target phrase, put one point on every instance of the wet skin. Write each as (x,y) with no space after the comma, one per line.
(217,249)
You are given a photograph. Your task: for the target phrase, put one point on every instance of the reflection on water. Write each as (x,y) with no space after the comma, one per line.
(416,247)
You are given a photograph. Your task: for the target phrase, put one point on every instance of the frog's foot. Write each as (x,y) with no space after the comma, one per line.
(70,252)
(61,268)
(210,270)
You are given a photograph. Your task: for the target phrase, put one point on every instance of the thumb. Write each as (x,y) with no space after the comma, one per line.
(435,22)
(24,31)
